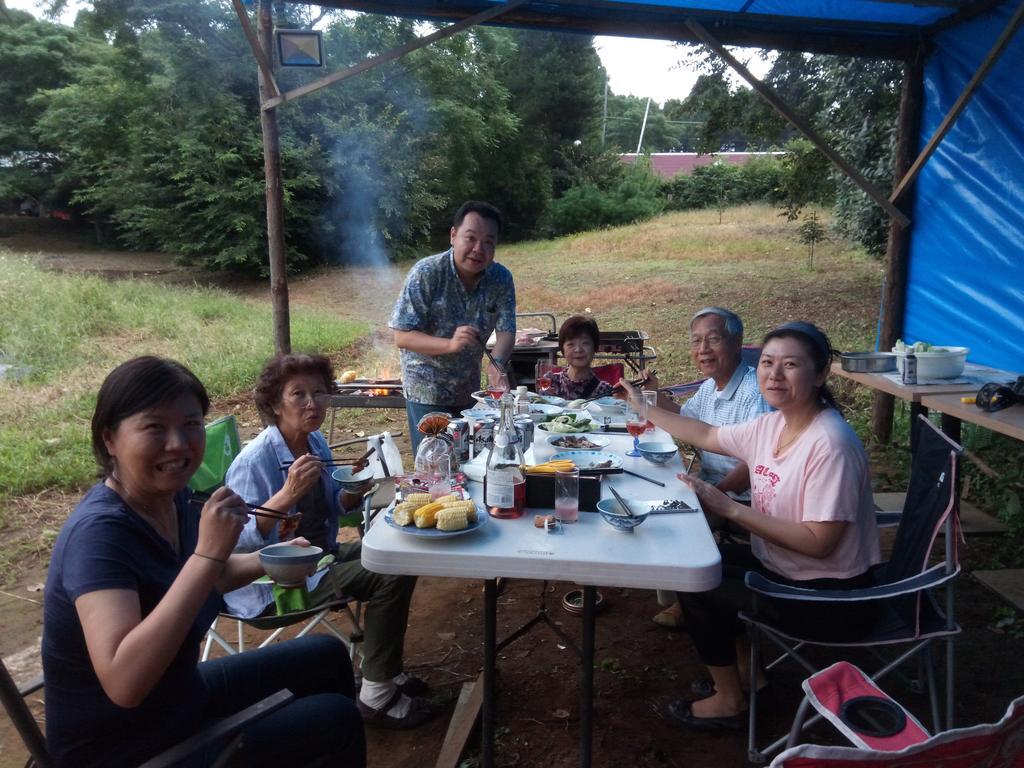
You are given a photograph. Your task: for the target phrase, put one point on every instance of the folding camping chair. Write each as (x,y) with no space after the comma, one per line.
(907,612)
(223,444)
(884,733)
(311,618)
(13,697)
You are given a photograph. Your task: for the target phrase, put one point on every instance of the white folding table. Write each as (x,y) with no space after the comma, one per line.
(667,551)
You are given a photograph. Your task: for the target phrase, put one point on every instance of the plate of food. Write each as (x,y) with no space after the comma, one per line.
(484,399)
(579,442)
(440,519)
(544,410)
(479,413)
(567,423)
(548,399)
(590,459)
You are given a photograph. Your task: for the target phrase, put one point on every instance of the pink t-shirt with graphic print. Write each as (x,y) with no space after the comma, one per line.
(822,477)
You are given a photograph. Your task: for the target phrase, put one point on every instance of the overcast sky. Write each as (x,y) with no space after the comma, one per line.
(635,67)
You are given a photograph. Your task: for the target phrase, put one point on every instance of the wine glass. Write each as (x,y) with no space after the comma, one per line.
(636,424)
(652,401)
(497,384)
(543,377)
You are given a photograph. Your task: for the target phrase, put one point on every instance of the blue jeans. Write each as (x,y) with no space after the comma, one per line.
(416,411)
(320,726)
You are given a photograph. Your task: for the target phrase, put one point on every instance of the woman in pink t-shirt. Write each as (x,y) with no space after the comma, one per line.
(811,515)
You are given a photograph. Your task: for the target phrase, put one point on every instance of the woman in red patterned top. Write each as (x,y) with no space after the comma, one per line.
(577,341)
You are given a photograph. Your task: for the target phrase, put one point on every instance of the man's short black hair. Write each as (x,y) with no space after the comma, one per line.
(486,210)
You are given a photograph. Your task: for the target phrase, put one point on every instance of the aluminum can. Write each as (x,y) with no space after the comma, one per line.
(483,435)
(524,428)
(910,368)
(458,429)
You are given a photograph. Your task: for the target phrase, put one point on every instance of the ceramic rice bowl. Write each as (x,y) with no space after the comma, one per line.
(289,564)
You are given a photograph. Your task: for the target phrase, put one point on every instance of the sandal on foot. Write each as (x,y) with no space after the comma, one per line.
(413,686)
(419,712)
(682,711)
(705,687)
(669,620)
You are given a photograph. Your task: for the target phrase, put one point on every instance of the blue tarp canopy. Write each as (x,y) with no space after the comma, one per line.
(964,283)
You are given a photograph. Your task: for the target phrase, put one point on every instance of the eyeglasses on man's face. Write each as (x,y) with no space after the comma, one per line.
(713,340)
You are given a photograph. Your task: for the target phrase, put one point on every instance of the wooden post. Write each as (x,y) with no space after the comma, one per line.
(275,193)
(899,237)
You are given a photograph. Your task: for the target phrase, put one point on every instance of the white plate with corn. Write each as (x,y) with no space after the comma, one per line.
(442,518)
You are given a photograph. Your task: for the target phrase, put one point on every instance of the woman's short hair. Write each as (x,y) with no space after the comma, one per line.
(276,373)
(134,386)
(817,345)
(575,326)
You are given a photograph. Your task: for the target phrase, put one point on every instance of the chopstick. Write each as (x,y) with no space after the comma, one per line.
(331,463)
(617,388)
(275,514)
(643,477)
(622,503)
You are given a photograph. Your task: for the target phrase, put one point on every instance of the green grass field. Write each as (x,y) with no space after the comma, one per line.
(70,330)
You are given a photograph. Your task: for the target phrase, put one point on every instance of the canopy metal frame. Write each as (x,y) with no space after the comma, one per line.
(716,29)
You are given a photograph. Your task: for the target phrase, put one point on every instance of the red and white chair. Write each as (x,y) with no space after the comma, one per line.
(885,734)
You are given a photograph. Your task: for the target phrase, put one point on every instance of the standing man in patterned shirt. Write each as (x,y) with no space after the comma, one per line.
(448,307)
(730,395)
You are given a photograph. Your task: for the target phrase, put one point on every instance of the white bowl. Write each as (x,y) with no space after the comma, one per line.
(353,482)
(540,411)
(289,564)
(947,364)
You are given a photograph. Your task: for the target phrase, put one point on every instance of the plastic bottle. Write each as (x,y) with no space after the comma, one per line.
(504,481)
(522,401)
(910,369)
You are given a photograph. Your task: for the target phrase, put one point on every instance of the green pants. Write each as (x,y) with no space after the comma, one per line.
(385,614)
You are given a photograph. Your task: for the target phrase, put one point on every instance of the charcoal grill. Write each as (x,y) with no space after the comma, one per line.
(367,393)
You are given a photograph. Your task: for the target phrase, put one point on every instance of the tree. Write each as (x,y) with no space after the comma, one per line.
(34,56)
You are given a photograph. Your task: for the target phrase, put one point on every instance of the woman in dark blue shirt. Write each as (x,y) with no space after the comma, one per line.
(135,580)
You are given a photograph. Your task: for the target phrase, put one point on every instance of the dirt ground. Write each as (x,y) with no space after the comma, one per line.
(640,667)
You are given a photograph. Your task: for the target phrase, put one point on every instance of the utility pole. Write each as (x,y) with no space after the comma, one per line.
(643,127)
(604,116)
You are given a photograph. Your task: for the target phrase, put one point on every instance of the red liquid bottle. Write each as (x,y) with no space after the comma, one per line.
(504,481)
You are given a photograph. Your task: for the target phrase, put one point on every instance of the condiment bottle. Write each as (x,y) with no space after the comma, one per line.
(504,481)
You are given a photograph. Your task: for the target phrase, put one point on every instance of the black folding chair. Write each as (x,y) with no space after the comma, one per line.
(13,697)
(907,613)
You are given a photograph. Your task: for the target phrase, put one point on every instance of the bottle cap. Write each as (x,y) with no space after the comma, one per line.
(521,390)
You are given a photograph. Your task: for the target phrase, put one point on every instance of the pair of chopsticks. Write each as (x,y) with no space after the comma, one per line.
(340,462)
(254,509)
(617,388)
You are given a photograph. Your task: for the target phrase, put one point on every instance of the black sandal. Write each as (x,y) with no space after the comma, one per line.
(419,712)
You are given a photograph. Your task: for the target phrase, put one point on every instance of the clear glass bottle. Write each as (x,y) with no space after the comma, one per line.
(504,481)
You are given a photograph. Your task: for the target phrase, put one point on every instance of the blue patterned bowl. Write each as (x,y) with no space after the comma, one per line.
(612,514)
(658,453)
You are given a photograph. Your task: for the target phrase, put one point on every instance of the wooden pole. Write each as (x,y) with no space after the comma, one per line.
(911,97)
(275,194)
(769,94)
(265,64)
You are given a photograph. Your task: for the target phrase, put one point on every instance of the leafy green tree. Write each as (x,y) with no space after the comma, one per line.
(34,55)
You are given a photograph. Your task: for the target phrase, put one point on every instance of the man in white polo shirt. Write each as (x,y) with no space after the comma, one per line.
(729,396)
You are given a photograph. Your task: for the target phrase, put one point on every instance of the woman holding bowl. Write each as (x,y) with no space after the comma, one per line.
(811,517)
(283,469)
(577,341)
(136,579)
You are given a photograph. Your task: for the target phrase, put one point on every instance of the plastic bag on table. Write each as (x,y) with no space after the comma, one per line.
(392,463)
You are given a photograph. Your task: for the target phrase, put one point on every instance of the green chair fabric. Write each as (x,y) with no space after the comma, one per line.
(223,444)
